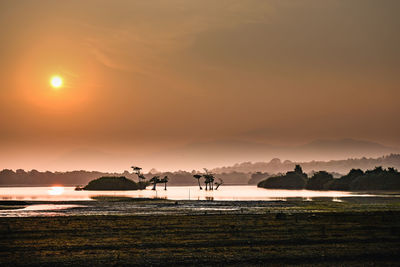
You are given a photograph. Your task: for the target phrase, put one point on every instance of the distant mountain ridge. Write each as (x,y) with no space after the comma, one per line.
(335,166)
(230,151)
(239,173)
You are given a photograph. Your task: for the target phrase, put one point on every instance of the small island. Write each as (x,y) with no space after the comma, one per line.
(292,180)
(356,180)
(114,183)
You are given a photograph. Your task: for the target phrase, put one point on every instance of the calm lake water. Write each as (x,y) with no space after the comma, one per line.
(239,192)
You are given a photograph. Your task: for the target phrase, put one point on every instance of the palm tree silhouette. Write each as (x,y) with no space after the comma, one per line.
(209,179)
(154,181)
(165,181)
(198,176)
(220,182)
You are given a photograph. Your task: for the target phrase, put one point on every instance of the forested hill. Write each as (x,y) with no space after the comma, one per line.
(338,166)
(376,179)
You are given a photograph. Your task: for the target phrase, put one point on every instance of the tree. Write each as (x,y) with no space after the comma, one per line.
(198,176)
(137,171)
(220,182)
(154,181)
(209,181)
(298,169)
(319,181)
(377,170)
(142,178)
(212,178)
(165,181)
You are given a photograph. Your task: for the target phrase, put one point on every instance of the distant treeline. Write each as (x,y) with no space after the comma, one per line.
(333,166)
(34,177)
(73,178)
(243,173)
(376,179)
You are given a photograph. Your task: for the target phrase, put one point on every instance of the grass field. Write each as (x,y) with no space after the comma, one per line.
(364,237)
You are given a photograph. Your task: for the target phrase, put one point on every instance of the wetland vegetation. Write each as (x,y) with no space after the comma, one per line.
(263,233)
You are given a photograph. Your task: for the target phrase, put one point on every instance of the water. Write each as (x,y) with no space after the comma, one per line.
(65,201)
(242,192)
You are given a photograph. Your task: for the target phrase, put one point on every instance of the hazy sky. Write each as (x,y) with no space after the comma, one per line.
(146,76)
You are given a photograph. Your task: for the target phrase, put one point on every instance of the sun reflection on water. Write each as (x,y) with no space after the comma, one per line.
(55,190)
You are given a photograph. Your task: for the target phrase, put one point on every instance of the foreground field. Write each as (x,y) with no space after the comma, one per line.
(300,238)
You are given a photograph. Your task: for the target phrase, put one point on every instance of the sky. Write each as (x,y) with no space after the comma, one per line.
(142,78)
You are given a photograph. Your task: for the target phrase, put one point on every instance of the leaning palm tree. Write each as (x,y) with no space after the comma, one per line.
(220,182)
(154,181)
(198,176)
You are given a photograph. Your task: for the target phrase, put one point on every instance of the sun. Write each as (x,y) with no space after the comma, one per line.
(55,190)
(56,82)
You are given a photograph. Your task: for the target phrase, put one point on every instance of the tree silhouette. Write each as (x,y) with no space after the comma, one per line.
(220,182)
(165,181)
(154,181)
(141,178)
(320,181)
(198,176)
(212,178)
(209,181)
(298,169)
(137,171)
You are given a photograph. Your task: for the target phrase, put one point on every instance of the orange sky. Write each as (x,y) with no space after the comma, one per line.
(142,77)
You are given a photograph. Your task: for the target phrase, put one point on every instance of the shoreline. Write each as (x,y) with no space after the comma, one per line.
(125,206)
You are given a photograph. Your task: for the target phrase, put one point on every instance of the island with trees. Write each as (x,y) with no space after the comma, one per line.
(356,180)
(113,183)
(209,180)
(123,183)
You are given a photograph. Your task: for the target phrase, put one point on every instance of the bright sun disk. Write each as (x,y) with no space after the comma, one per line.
(56,81)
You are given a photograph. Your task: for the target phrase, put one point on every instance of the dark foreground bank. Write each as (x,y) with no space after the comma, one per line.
(355,238)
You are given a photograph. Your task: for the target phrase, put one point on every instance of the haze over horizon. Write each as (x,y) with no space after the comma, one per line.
(196,84)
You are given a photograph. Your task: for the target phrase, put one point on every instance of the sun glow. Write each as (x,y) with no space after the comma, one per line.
(56,190)
(56,82)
